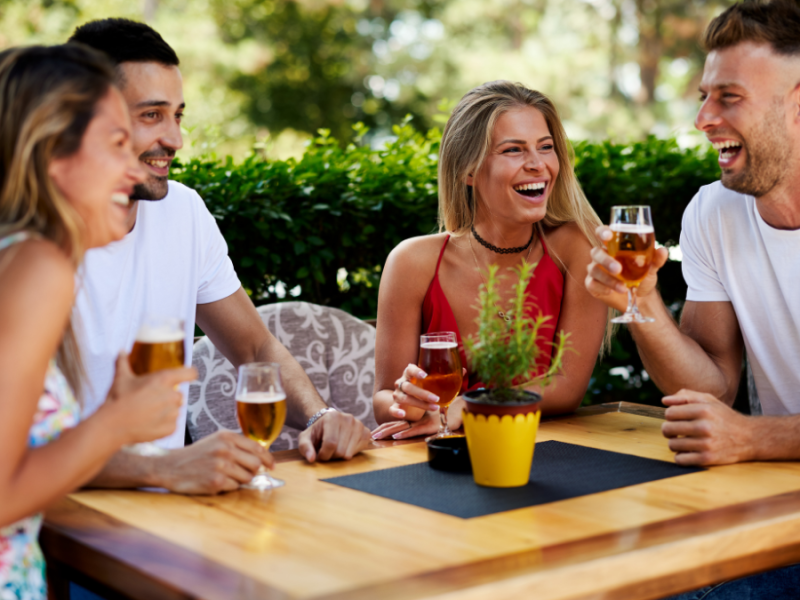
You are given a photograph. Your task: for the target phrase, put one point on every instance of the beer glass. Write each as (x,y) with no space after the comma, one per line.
(159,345)
(633,246)
(438,357)
(261,411)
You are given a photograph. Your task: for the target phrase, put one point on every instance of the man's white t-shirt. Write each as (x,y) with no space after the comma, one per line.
(730,254)
(174,259)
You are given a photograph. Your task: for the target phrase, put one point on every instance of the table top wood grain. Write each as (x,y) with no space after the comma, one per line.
(312,539)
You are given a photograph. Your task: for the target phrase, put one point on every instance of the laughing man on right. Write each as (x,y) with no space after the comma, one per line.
(741,260)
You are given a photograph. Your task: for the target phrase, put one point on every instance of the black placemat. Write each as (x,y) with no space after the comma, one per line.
(559,471)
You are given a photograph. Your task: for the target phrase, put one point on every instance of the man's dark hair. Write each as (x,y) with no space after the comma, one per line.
(775,22)
(124,40)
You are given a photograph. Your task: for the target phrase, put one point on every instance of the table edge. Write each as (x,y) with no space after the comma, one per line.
(144,555)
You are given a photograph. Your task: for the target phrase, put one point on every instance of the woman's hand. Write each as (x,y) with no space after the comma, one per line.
(410,400)
(427,425)
(147,407)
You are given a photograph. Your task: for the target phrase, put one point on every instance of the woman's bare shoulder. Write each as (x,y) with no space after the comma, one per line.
(418,254)
(410,268)
(39,265)
(569,243)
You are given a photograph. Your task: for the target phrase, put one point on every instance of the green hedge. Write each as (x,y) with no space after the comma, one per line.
(300,222)
(323,225)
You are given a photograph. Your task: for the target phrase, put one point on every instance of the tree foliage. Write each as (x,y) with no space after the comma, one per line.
(317,59)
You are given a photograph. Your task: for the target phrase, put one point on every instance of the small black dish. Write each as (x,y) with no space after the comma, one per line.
(449,454)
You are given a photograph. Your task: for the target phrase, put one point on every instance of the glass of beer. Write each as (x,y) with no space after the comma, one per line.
(159,345)
(632,246)
(261,410)
(438,357)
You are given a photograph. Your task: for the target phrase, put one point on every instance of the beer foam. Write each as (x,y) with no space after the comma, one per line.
(439,345)
(632,228)
(158,335)
(261,398)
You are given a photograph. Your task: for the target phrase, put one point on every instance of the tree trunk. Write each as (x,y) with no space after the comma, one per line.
(651,45)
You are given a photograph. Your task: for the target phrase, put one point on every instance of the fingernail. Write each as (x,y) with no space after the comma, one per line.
(616,268)
(433,398)
(401,413)
(395,436)
(433,407)
(423,374)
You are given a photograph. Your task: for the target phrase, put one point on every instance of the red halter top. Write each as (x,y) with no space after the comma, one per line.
(544,293)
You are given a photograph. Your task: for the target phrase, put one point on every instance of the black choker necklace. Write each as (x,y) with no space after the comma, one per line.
(493,248)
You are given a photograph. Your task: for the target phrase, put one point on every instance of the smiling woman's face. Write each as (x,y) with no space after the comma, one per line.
(520,170)
(98,178)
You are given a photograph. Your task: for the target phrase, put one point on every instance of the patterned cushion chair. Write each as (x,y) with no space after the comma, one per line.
(336,350)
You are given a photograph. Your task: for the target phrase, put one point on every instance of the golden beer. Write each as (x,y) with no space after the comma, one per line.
(633,246)
(440,360)
(148,357)
(261,416)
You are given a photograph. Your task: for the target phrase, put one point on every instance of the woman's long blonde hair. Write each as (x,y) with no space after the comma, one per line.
(465,145)
(48,96)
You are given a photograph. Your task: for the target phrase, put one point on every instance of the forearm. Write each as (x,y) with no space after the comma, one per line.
(381,402)
(561,396)
(125,470)
(303,400)
(774,438)
(673,359)
(55,469)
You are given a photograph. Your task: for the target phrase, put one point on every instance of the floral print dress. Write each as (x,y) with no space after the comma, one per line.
(22,574)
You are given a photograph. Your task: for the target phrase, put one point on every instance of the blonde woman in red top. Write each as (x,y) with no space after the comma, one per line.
(507,194)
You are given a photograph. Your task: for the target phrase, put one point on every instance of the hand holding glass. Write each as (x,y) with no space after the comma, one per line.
(261,410)
(633,246)
(438,357)
(159,345)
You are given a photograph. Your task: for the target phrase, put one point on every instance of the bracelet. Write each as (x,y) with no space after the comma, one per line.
(318,415)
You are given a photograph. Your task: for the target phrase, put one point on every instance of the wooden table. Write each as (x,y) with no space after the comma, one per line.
(317,540)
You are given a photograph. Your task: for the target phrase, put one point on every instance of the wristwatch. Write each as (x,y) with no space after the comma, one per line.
(318,415)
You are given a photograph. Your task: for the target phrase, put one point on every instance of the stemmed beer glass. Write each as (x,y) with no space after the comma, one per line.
(633,246)
(438,357)
(159,345)
(261,410)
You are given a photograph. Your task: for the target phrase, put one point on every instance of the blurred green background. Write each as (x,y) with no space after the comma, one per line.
(269,73)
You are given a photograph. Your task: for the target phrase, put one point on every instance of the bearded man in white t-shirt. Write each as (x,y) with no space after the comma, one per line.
(174,262)
(741,253)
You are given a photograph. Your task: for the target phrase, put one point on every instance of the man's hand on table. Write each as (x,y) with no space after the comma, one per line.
(218,463)
(704,431)
(334,435)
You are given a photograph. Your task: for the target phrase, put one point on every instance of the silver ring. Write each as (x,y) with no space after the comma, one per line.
(401,386)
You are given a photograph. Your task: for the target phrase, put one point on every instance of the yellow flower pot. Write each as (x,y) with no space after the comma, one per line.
(501,445)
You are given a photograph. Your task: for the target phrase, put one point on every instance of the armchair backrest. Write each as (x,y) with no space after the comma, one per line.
(336,350)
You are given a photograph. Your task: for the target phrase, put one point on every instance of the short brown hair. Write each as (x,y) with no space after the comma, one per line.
(773,22)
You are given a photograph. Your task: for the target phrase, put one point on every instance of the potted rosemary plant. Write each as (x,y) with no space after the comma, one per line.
(502,419)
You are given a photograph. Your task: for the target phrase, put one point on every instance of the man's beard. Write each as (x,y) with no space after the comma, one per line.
(769,156)
(153,188)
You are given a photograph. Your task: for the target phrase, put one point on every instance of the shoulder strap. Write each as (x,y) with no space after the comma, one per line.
(441,254)
(14,238)
(541,237)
